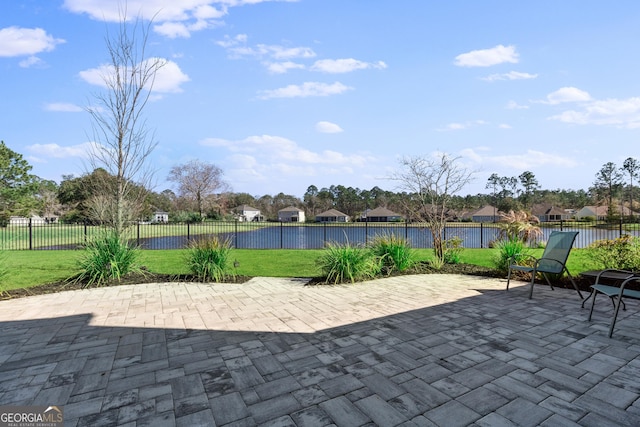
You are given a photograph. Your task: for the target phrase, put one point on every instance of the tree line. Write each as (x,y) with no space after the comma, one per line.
(201,192)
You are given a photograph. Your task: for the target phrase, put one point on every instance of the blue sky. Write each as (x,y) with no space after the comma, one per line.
(285,94)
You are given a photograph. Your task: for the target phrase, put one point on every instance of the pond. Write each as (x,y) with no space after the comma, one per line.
(315,237)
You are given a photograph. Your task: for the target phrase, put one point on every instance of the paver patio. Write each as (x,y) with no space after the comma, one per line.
(423,350)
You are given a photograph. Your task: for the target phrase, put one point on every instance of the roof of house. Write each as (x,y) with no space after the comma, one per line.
(543,209)
(244,208)
(291,209)
(381,212)
(331,212)
(487,210)
(604,210)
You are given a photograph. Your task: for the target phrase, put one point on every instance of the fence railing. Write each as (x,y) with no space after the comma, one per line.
(270,235)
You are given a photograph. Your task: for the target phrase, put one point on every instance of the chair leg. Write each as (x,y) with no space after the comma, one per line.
(594,293)
(615,316)
(548,281)
(508,278)
(574,284)
(533,280)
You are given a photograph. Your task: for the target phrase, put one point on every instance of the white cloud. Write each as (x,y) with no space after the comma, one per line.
(464,125)
(487,57)
(17,41)
(168,78)
(31,62)
(616,112)
(511,75)
(528,160)
(55,151)
(63,107)
(335,66)
(305,90)
(172,18)
(258,157)
(282,67)
(504,126)
(328,127)
(513,105)
(567,94)
(237,48)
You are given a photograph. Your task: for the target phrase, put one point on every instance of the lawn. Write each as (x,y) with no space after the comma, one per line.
(31,268)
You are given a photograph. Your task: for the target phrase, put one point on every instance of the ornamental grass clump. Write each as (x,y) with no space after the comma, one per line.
(209,259)
(341,263)
(107,257)
(513,251)
(393,252)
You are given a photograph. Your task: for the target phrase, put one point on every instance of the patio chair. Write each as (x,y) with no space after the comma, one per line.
(553,260)
(615,292)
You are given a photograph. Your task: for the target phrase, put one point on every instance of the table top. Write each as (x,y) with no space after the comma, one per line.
(613,275)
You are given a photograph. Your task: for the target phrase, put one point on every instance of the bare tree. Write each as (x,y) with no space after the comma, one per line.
(123,142)
(431,183)
(197,180)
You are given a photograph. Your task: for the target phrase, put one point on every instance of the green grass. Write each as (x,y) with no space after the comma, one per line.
(32,268)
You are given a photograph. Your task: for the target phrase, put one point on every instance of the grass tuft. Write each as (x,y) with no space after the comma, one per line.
(106,258)
(209,259)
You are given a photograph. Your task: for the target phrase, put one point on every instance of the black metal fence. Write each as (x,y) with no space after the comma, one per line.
(269,235)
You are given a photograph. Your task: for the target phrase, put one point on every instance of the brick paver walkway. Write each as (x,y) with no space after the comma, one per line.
(424,350)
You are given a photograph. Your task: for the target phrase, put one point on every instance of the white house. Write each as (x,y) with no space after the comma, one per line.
(291,214)
(247,213)
(160,217)
(21,221)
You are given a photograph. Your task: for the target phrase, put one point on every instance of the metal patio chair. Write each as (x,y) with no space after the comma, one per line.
(552,261)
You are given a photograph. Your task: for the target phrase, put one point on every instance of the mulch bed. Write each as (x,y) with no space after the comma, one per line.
(132,279)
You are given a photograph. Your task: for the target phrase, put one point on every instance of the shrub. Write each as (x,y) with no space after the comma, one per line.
(342,263)
(509,251)
(621,253)
(107,257)
(394,253)
(452,250)
(209,259)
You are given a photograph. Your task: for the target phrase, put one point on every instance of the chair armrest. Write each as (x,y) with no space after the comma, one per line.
(525,256)
(623,285)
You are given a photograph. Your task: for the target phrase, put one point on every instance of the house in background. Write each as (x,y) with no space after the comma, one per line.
(486,213)
(23,221)
(247,213)
(332,215)
(291,214)
(160,217)
(601,213)
(381,214)
(548,213)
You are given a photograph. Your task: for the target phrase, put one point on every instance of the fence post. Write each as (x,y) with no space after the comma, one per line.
(235,234)
(85,232)
(366,231)
(138,236)
(481,236)
(561,224)
(281,236)
(30,234)
(188,232)
(324,235)
(620,227)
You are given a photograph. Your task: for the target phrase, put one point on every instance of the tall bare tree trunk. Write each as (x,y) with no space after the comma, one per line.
(122,140)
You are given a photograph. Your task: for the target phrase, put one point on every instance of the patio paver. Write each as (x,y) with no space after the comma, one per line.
(411,350)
